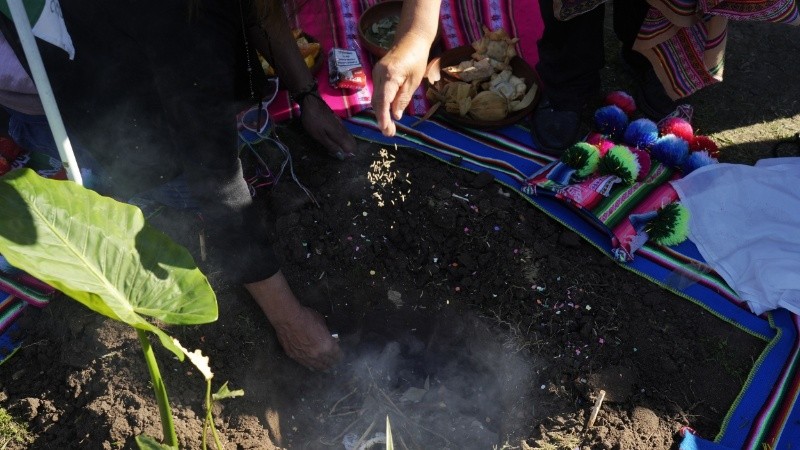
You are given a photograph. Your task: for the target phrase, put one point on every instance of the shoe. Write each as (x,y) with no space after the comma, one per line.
(554,130)
(651,98)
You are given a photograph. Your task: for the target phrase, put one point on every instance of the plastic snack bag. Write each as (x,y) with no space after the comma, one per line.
(345,70)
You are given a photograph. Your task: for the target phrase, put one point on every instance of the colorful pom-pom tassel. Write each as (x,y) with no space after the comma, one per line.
(620,161)
(670,150)
(696,160)
(583,157)
(671,225)
(704,143)
(641,133)
(599,141)
(644,162)
(610,120)
(678,126)
(623,100)
(594,138)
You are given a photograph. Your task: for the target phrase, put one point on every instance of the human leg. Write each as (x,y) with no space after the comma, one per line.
(32,132)
(651,98)
(570,59)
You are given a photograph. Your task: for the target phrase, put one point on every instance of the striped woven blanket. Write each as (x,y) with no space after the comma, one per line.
(335,25)
(767,410)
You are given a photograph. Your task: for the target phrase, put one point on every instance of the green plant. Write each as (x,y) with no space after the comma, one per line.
(12,431)
(101,253)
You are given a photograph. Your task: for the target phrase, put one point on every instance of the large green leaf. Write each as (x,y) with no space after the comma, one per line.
(101,253)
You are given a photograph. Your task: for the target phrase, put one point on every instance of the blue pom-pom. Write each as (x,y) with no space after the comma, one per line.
(696,160)
(610,120)
(670,150)
(641,133)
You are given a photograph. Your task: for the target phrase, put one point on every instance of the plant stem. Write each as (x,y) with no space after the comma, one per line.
(167,425)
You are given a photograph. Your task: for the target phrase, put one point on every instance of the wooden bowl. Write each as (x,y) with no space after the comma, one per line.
(375,14)
(519,68)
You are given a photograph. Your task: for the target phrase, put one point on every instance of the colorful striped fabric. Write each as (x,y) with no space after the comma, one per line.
(335,24)
(10,309)
(685,39)
(767,410)
(27,288)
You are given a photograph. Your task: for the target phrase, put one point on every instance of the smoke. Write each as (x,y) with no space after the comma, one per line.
(447,383)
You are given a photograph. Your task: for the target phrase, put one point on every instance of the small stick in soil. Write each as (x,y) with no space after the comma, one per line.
(335,405)
(202,237)
(595,409)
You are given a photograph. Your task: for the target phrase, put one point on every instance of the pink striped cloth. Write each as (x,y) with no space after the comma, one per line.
(335,24)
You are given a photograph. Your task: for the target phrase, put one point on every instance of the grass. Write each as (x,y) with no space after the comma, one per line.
(12,431)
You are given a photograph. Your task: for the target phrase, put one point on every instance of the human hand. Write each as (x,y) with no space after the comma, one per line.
(395,78)
(307,340)
(301,330)
(323,125)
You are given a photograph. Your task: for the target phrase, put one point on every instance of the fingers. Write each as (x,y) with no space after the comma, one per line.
(401,101)
(337,141)
(308,341)
(385,90)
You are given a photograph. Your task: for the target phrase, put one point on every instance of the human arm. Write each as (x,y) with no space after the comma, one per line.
(396,76)
(194,80)
(301,330)
(274,40)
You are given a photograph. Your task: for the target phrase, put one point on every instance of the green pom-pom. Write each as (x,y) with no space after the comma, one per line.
(671,226)
(620,161)
(583,157)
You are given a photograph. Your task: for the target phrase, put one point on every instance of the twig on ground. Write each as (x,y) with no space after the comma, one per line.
(597,404)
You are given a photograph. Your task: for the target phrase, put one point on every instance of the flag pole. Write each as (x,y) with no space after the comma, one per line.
(39,75)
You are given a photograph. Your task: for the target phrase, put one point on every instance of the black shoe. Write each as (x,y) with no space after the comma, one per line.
(651,98)
(554,130)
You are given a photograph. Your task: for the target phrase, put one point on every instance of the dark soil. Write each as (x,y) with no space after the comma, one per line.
(468,317)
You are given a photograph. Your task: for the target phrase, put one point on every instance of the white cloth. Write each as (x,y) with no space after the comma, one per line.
(17,90)
(745,221)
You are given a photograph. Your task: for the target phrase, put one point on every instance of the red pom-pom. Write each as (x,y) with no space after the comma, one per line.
(604,146)
(700,143)
(5,166)
(9,149)
(678,126)
(600,141)
(622,100)
(594,138)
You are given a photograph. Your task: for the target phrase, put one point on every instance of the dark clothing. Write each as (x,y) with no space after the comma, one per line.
(151,93)
(571,52)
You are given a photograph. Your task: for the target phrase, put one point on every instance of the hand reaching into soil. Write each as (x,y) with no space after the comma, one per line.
(306,339)
(301,331)
(323,125)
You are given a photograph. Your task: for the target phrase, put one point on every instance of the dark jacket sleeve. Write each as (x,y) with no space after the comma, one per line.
(150,93)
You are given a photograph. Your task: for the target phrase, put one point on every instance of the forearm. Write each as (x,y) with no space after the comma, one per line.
(285,55)
(419,20)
